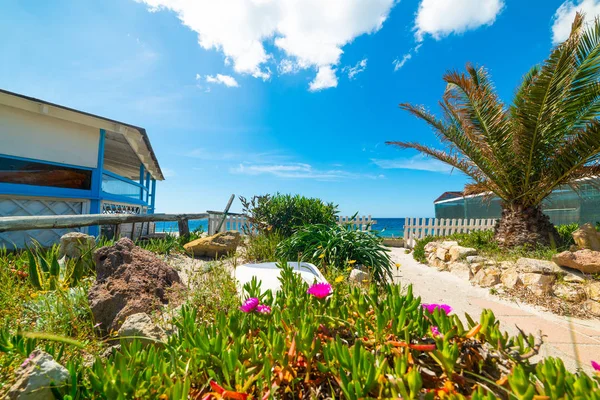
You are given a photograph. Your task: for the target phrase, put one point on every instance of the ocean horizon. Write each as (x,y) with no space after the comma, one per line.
(386,227)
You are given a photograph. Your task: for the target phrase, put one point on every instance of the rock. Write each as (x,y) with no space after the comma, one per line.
(358,276)
(447,244)
(460,269)
(539,284)
(569,292)
(439,264)
(442,254)
(587,237)
(593,291)
(507,265)
(431,247)
(475,259)
(487,277)
(72,244)
(510,278)
(572,276)
(213,246)
(460,252)
(586,261)
(535,266)
(36,376)
(129,280)
(140,325)
(593,307)
(475,267)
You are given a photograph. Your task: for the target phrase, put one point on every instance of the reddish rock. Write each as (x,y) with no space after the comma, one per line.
(129,280)
(586,261)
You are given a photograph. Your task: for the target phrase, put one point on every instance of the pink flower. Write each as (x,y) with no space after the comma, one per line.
(320,290)
(249,305)
(27,360)
(435,331)
(596,366)
(263,309)
(431,307)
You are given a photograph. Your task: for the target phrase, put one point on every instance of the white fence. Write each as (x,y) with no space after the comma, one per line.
(233,222)
(418,228)
(363,223)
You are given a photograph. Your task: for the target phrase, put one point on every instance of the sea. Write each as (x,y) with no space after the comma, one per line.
(385,227)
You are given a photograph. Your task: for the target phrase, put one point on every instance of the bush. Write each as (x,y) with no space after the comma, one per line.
(354,344)
(262,247)
(419,248)
(565,232)
(284,213)
(337,247)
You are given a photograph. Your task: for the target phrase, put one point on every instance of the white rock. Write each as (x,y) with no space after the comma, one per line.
(569,292)
(593,307)
(475,259)
(140,325)
(430,247)
(442,254)
(539,284)
(36,376)
(510,278)
(447,244)
(487,277)
(593,291)
(573,276)
(532,265)
(358,276)
(73,243)
(460,252)
(460,269)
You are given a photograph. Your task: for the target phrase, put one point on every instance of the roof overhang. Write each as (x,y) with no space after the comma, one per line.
(134,136)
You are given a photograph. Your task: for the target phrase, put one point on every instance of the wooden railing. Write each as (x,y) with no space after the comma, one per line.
(363,223)
(418,228)
(219,222)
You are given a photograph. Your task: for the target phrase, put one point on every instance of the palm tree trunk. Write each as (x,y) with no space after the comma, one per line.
(521,226)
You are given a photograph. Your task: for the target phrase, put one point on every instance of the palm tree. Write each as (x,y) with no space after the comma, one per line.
(548,136)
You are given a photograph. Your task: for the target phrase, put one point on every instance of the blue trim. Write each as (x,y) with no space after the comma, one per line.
(153,199)
(142,181)
(43,191)
(147,187)
(46,162)
(123,199)
(95,201)
(122,178)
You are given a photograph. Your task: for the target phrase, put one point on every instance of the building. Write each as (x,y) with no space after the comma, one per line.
(563,206)
(55,160)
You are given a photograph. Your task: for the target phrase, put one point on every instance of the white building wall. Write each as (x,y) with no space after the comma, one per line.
(37,136)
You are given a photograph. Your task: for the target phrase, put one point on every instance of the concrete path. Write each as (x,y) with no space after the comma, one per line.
(575,341)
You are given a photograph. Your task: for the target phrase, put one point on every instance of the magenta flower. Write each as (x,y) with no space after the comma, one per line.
(435,331)
(263,309)
(596,366)
(431,307)
(320,290)
(249,305)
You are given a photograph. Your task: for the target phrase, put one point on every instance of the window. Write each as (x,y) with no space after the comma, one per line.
(25,172)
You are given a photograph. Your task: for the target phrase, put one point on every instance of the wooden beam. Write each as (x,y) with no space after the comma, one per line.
(8,224)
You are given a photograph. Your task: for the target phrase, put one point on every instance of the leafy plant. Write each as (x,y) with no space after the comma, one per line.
(549,136)
(336,247)
(46,273)
(419,248)
(262,247)
(284,213)
(565,233)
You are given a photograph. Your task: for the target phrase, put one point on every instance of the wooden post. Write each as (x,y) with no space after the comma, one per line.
(184,228)
(225,213)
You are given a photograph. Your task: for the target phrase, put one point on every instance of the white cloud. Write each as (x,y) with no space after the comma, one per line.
(357,69)
(564,16)
(287,66)
(226,80)
(440,18)
(311,32)
(299,171)
(418,162)
(325,79)
(400,63)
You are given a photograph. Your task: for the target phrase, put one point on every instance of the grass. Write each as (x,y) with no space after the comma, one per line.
(262,247)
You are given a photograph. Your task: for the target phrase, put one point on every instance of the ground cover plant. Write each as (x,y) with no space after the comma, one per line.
(548,136)
(317,342)
(285,213)
(335,247)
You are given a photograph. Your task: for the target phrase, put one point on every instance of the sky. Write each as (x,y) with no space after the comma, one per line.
(250,97)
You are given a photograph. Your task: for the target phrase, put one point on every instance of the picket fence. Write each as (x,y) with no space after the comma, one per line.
(418,228)
(233,222)
(363,223)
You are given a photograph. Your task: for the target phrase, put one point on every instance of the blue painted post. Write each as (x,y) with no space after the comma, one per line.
(147,185)
(153,198)
(141,181)
(96,189)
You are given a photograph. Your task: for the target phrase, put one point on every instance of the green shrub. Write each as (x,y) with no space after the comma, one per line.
(284,213)
(334,247)
(565,232)
(419,248)
(262,247)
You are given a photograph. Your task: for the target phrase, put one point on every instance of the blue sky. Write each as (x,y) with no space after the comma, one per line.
(258,96)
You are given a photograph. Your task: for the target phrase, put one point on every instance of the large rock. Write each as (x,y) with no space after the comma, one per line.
(430,247)
(587,237)
(442,254)
(36,376)
(141,326)
(593,307)
(213,246)
(460,269)
(586,261)
(539,284)
(358,276)
(510,278)
(446,244)
(569,292)
(487,277)
(460,252)
(129,280)
(535,266)
(593,291)
(475,259)
(73,243)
